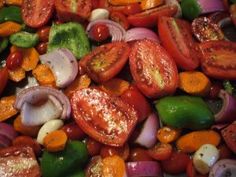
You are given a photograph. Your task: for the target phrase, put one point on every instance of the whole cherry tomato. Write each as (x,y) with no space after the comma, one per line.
(99,32)
(14,60)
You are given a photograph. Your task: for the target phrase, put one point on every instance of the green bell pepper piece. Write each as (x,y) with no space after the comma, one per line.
(184,112)
(78,173)
(24,39)
(190,9)
(71,36)
(11,13)
(3,44)
(66,162)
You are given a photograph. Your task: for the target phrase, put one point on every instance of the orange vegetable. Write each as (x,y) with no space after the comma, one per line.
(44,75)
(168,134)
(115,86)
(6,107)
(31,131)
(194,83)
(113,166)
(14,2)
(148,4)
(55,141)
(193,141)
(80,82)
(8,28)
(1,3)
(30,57)
(122,2)
(16,75)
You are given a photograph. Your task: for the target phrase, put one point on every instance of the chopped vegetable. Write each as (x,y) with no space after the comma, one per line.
(9,27)
(11,13)
(14,2)
(168,134)
(17,74)
(24,39)
(6,107)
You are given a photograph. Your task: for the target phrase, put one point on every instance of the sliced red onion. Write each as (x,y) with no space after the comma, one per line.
(4,141)
(208,6)
(63,65)
(143,168)
(147,136)
(228,111)
(219,127)
(116,31)
(48,95)
(140,33)
(224,167)
(8,131)
(175,2)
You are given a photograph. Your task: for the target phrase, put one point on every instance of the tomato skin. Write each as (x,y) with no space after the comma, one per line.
(139,154)
(120,18)
(42,48)
(93,146)
(14,60)
(123,151)
(229,136)
(133,97)
(219,59)
(177,39)
(99,32)
(37,13)
(43,33)
(3,78)
(106,61)
(129,9)
(103,117)
(225,152)
(94,168)
(153,70)
(73,131)
(160,151)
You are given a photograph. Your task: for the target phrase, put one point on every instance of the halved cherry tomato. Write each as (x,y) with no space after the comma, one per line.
(106,61)
(232,11)
(105,118)
(225,152)
(133,97)
(3,78)
(128,9)
(176,37)
(120,18)
(123,151)
(14,60)
(191,172)
(153,70)
(148,18)
(73,131)
(229,136)
(99,32)
(93,146)
(219,59)
(37,13)
(160,151)
(139,154)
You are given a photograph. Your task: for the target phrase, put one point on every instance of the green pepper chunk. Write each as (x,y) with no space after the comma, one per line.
(71,36)
(184,112)
(3,44)
(190,9)
(24,39)
(68,162)
(11,13)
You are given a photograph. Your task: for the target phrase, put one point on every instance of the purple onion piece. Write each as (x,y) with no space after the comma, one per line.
(223,168)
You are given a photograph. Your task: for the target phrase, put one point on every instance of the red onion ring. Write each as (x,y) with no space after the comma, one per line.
(140,33)
(228,111)
(223,167)
(117,32)
(8,131)
(143,168)
(147,136)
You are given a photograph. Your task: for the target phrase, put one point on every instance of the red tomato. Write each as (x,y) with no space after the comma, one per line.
(219,59)
(73,131)
(93,146)
(139,154)
(43,33)
(229,136)
(14,60)
(160,151)
(153,70)
(70,10)
(177,39)
(19,161)
(129,9)
(133,97)
(94,168)
(3,78)
(176,164)
(106,61)
(37,13)
(215,90)
(225,152)
(105,118)
(148,18)
(191,172)
(42,48)
(123,151)
(120,18)
(99,32)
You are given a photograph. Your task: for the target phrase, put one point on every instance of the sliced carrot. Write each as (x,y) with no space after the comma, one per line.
(194,83)
(16,75)
(31,131)
(8,28)
(168,134)
(44,75)
(115,86)
(55,141)
(14,2)
(30,57)
(6,107)
(193,141)
(113,166)
(148,4)
(80,82)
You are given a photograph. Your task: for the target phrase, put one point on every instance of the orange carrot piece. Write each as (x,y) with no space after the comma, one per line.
(194,83)
(8,28)
(14,2)
(55,141)
(80,82)
(6,107)
(31,131)
(16,75)
(193,141)
(44,75)
(30,57)
(168,134)
(148,4)
(115,86)
(1,3)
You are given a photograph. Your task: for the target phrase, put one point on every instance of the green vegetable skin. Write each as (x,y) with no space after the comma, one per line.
(3,44)
(11,13)
(71,36)
(24,39)
(184,112)
(190,9)
(66,163)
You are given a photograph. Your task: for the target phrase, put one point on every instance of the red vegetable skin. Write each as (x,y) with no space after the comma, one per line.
(232,11)
(99,32)
(93,146)
(153,70)
(129,9)
(123,151)
(120,18)
(14,60)
(229,136)
(37,13)
(160,151)
(3,78)
(73,131)
(139,154)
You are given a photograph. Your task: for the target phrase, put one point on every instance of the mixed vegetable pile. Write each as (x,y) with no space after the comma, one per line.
(114,88)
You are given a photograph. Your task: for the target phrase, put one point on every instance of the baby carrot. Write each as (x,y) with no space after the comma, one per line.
(8,28)
(6,107)
(194,83)
(168,134)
